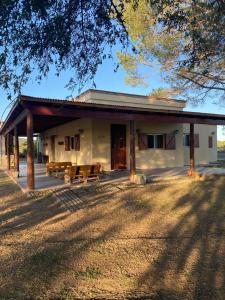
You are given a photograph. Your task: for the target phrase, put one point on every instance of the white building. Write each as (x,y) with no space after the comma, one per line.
(116,130)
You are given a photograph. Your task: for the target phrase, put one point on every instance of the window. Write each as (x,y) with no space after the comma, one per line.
(159,141)
(186,140)
(210,141)
(155,141)
(151,142)
(72,142)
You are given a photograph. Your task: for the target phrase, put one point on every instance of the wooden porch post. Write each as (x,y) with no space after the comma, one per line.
(132,150)
(8,151)
(16,151)
(192,151)
(52,145)
(30,152)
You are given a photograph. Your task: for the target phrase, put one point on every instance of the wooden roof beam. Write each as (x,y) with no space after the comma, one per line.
(113,114)
(15,122)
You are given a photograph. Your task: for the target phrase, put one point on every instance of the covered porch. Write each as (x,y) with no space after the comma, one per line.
(31,116)
(45,182)
(42,181)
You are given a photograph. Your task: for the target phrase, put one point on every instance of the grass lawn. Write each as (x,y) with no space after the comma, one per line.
(155,242)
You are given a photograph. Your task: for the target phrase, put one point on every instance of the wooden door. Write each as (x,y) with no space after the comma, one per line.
(118,146)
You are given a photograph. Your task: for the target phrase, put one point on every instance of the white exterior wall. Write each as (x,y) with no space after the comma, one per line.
(203,154)
(84,156)
(160,158)
(150,158)
(96,140)
(145,159)
(120,99)
(96,144)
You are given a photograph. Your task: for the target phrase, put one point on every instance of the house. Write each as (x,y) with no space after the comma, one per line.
(117,130)
(87,140)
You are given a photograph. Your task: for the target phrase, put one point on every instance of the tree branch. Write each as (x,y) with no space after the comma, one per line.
(210,77)
(200,84)
(118,15)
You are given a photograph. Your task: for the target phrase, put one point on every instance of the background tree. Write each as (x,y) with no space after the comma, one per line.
(184,40)
(23,147)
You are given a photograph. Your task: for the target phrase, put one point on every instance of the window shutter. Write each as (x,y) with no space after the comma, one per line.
(67,143)
(77,142)
(210,141)
(142,141)
(196,140)
(170,141)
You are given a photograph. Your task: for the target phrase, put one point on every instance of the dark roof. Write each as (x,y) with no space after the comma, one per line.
(119,107)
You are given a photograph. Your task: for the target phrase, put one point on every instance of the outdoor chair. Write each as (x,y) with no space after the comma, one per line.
(95,172)
(71,174)
(82,173)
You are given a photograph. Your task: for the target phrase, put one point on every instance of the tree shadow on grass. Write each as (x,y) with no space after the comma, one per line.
(188,260)
(39,267)
(23,213)
(72,255)
(192,263)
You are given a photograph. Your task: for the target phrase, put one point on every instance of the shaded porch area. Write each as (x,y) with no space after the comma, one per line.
(121,177)
(47,182)
(42,181)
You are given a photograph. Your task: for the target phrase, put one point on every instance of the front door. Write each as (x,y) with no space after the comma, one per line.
(118,146)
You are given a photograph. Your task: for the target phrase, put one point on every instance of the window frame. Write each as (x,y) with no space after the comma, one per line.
(155,135)
(196,140)
(210,141)
(184,139)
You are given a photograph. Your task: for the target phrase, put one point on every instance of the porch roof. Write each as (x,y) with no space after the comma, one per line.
(49,113)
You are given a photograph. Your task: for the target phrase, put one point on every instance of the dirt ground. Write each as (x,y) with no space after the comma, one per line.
(161,241)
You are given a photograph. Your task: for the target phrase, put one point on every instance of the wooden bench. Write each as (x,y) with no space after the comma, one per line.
(82,173)
(94,172)
(57,168)
(71,174)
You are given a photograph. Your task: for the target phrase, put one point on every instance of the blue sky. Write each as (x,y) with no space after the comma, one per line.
(106,79)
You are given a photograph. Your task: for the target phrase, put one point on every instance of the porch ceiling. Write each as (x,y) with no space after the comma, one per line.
(42,123)
(73,109)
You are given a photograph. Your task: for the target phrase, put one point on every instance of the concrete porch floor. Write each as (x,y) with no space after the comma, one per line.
(179,172)
(44,182)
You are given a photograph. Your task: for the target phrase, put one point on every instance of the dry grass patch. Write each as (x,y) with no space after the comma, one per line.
(156,242)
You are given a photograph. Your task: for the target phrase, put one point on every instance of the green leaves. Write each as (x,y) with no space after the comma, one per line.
(71,34)
(184,41)
(155,48)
